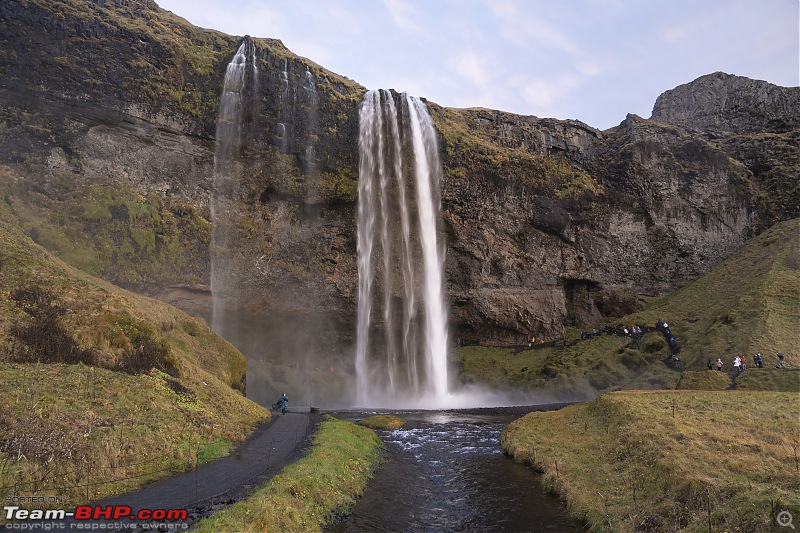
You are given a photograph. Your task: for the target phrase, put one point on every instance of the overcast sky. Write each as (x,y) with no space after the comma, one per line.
(591,60)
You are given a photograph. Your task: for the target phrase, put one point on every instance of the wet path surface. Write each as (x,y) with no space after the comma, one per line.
(445,471)
(215,485)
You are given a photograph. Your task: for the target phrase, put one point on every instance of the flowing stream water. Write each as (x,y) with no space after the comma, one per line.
(445,471)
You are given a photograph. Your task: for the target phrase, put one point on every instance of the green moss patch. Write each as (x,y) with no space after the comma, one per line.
(382,422)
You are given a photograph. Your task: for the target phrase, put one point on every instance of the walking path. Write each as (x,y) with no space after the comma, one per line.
(215,485)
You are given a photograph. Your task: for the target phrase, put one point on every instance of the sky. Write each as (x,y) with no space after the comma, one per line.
(590,60)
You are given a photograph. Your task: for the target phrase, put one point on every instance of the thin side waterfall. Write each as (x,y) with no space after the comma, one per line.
(312,105)
(227,174)
(401,348)
(284,107)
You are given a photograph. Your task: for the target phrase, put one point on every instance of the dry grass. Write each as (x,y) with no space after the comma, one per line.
(705,380)
(84,432)
(668,461)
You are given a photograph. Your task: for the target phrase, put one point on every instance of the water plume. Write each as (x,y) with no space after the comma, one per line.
(401,347)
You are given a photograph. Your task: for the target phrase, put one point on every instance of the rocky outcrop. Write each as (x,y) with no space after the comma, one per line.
(547,222)
(753,121)
(723,104)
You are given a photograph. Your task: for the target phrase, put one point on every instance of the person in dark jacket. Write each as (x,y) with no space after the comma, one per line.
(282,403)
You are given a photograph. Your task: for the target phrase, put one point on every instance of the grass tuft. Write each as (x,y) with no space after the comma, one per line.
(312,491)
(382,422)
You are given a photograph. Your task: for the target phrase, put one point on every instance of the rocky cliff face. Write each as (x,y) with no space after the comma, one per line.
(107,136)
(723,104)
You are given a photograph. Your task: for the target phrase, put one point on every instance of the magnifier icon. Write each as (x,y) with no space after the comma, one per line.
(785,519)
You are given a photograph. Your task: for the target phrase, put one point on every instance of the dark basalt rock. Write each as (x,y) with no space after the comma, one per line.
(545,220)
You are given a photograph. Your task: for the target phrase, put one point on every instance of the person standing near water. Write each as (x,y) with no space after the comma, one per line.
(282,403)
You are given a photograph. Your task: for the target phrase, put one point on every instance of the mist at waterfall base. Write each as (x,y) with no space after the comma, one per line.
(286,350)
(402,340)
(399,354)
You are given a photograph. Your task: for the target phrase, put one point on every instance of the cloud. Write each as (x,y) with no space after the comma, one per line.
(543,94)
(471,66)
(529,25)
(401,14)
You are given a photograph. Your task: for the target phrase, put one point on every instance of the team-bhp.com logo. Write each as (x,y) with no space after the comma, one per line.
(95,512)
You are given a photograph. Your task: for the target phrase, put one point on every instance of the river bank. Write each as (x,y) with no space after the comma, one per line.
(668,460)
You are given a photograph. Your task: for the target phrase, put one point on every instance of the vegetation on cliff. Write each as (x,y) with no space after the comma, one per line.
(110,230)
(750,303)
(105,390)
(684,461)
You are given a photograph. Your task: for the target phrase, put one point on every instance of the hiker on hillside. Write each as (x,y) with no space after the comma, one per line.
(780,361)
(719,363)
(759,360)
(710,365)
(282,403)
(743,364)
(737,363)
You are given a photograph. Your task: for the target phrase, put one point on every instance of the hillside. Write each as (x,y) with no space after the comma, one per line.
(105,390)
(749,303)
(668,461)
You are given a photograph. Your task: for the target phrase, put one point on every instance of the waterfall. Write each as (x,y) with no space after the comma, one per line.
(284,106)
(227,175)
(312,103)
(403,356)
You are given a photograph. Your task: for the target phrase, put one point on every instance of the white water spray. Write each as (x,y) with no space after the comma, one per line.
(403,358)
(227,174)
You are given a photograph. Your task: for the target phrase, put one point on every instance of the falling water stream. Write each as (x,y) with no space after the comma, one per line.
(227,174)
(401,350)
(444,470)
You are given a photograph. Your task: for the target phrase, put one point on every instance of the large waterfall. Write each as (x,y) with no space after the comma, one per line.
(401,350)
(227,175)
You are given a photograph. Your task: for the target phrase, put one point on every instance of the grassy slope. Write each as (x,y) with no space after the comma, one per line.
(59,420)
(624,462)
(749,303)
(311,491)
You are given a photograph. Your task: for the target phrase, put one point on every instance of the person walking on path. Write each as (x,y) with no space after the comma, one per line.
(719,363)
(780,361)
(282,403)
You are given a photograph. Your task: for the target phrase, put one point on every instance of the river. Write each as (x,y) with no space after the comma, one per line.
(445,471)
